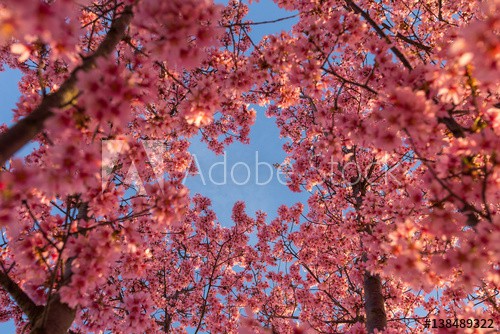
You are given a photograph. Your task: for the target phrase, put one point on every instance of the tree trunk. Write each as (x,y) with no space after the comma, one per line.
(376,317)
(56,318)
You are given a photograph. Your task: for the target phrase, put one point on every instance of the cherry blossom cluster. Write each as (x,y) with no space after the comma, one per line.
(390,111)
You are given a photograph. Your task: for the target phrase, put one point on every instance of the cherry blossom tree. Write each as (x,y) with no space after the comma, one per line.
(93,252)
(391,111)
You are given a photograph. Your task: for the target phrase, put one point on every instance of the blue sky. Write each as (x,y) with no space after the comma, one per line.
(264,141)
(9,94)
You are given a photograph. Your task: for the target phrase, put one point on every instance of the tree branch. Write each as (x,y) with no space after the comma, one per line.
(22,300)
(380,32)
(27,128)
(419,45)
(57,316)
(261,22)
(456,129)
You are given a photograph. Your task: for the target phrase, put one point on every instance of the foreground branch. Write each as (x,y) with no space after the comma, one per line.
(27,128)
(22,300)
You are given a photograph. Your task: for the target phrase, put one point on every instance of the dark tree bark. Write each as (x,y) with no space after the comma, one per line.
(22,300)
(56,318)
(376,318)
